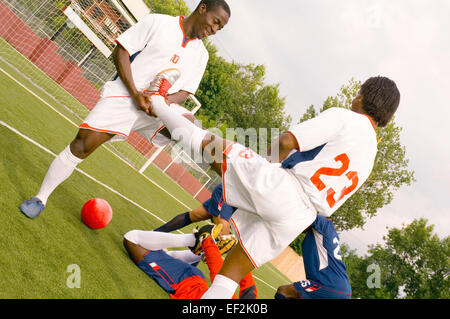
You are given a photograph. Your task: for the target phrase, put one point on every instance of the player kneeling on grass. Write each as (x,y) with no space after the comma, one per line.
(275,203)
(214,209)
(326,273)
(174,271)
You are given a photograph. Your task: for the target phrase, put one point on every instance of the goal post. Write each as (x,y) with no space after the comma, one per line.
(63,48)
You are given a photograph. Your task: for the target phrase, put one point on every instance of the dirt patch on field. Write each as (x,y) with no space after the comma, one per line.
(290,264)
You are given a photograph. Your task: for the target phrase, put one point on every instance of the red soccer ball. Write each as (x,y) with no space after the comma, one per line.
(96,213)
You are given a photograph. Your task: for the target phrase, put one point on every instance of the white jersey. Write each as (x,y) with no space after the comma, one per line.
(343,164)
(160,43)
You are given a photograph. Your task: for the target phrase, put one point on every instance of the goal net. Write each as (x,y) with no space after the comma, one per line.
(63,49)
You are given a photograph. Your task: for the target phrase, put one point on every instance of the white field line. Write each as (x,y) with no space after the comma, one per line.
(79,170)
(86,174)
(100,183)
(73,123)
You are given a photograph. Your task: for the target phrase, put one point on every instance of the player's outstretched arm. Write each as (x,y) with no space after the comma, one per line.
(123,66)
(280,147)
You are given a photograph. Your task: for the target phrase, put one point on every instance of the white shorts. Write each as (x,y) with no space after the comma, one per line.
(272,206)
(119,116)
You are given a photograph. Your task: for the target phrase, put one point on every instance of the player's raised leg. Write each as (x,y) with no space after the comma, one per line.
(154,240)
(212,147)
(184,219)
(192,137)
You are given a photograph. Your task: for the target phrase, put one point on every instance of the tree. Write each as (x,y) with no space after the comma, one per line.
(389,173)
(232,95)
(236,96)
(413,263)
(170,7)
(363,276)
(309,114)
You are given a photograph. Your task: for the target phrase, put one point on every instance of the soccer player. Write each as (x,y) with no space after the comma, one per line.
(155,43)
(326,273)
(214,208)
(276,203)
(174,270)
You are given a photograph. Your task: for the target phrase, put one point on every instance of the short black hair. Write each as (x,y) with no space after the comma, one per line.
(212,4)
(381,98)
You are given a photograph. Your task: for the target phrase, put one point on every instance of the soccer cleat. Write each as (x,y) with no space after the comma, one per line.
(203,233)
(162,82)
(32,207)
(225,243)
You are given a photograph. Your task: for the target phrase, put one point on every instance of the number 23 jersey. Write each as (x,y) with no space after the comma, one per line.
(344,144)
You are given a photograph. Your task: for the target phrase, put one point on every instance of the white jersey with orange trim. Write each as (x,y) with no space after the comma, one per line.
(158,42)
(346,147)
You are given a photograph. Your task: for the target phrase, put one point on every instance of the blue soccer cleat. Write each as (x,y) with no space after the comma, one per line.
(32,207)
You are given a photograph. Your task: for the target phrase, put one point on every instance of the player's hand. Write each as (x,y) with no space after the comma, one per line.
(150,111)
(144,103)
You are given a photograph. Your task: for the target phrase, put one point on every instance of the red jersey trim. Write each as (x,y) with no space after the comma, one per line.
(224,169)
(86,126)
(371,122)
(295,139)
(123,47)
(183,44)
(242,245)
(157,131)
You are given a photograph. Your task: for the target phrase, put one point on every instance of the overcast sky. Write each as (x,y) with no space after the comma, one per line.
(311,48)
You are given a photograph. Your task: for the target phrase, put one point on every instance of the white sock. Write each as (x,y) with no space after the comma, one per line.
(155,240)
(185,255)
(222,288)
(180,128)
(60,169)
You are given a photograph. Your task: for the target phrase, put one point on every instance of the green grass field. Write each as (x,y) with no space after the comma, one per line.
(35,254)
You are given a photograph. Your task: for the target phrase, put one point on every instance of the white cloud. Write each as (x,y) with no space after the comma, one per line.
(312,48)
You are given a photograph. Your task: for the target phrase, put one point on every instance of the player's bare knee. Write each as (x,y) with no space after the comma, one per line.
(135,252)
(88,141)
(131,236)
(78,147)
(209,138)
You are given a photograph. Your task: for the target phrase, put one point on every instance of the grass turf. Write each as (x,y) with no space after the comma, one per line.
(35,254)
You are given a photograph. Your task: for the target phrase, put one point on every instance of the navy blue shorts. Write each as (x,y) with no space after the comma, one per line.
(166,270)
(308,289)
(216,206)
